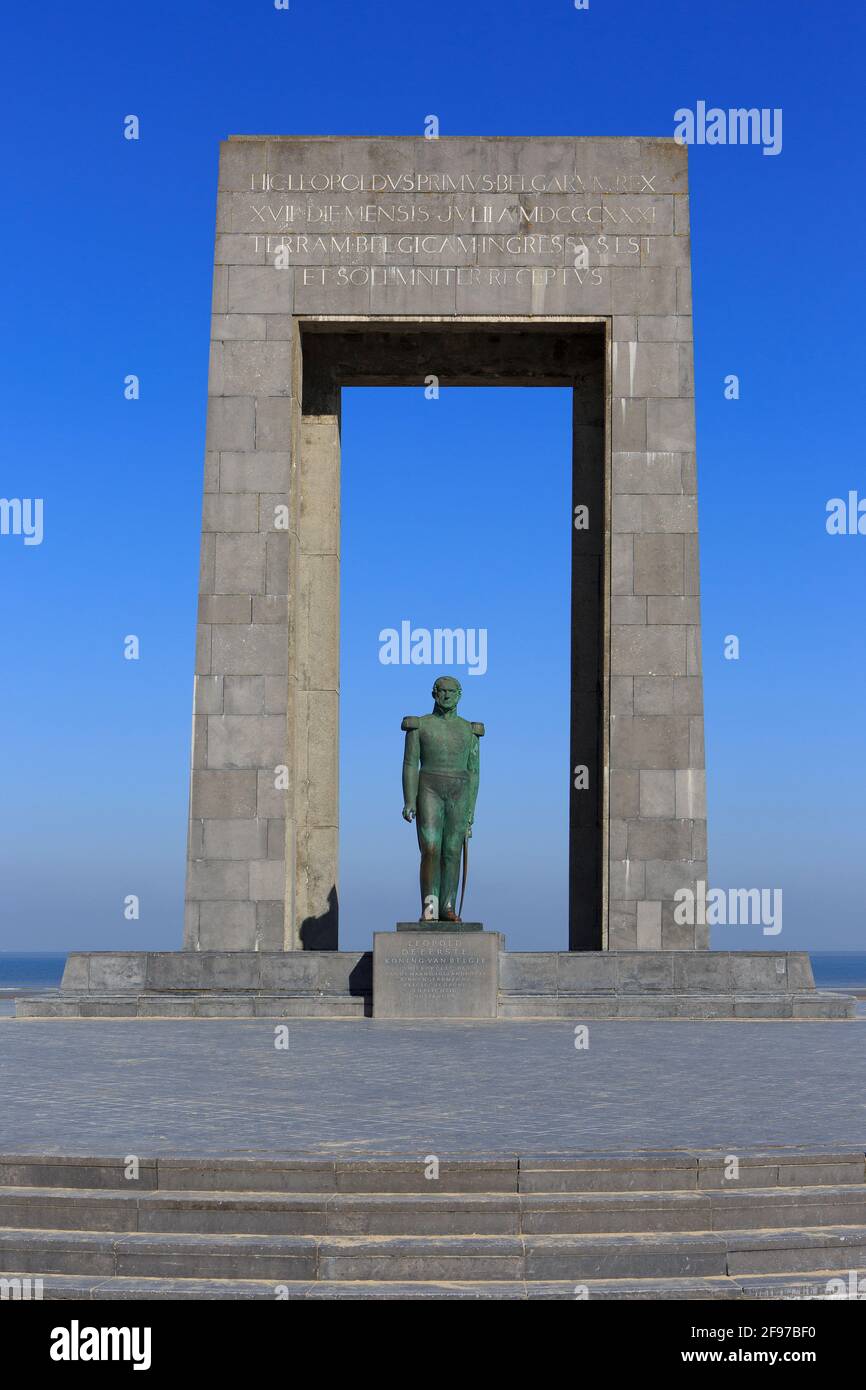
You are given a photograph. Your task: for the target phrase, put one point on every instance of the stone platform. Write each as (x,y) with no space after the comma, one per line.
(575,985)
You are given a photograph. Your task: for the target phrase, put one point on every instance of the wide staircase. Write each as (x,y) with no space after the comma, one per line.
(790,1224)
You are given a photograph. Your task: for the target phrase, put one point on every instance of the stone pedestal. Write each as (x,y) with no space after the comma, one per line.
(432,973)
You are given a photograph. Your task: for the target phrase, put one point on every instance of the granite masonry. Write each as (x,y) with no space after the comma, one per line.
(545,261)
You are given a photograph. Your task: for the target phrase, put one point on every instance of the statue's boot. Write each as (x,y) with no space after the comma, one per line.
(450,916)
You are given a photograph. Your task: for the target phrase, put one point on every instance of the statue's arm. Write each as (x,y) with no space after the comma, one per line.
(411,759)
(474,765)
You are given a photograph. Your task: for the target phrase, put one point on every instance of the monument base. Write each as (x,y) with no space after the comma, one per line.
(575,985)
(432,973)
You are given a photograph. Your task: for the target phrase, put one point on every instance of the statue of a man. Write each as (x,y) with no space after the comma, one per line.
(442,795)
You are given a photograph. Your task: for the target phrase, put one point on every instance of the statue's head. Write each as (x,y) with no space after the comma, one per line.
(446,692)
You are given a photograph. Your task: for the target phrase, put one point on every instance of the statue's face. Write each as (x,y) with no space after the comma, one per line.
(446,693)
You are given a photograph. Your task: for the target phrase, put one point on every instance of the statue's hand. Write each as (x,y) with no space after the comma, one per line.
(409,813)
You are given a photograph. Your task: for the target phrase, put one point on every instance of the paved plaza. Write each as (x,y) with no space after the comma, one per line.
(345,1087)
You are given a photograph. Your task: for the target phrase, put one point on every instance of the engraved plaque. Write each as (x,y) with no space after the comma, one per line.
(436,974)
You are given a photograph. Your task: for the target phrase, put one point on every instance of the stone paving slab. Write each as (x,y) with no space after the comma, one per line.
(810,1285)
(222,1087)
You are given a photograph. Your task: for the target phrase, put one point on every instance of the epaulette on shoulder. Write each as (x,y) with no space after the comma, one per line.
(478,729)
(410,722)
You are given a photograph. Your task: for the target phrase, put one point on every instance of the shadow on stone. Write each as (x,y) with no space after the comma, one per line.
(320,933)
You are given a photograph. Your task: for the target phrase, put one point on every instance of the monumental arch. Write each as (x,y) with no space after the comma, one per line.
(536,262)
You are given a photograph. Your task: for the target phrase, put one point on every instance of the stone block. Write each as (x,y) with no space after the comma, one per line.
(669,513)
(622,564)
(267,880)
(270,926)
(665,877)
(659,838)
(654,695)
(235,839)
(659,564)
(216,880)
(645,973)
(238,248)
(671,425)
(246,741)
(639,290)
(250,649)
(255,369)
(628,425)
(664,328)
(585,972)
(276,695)
(260,290)
(687,695)
(230,423)
(657,793)
(208,697)
(623,932)
(659,650)
(244,695)
(628,609)
(624,793)
(227,926)
(228,511)
(532,972)
(698,971)
(273,424)
(76,971)
(116,972)
(627,879)
(435,974)
(658,742)
(227,326)
(621,695)
(645,369)
(759,974)
(264,471)
(239,564)
(223,608)
(649,926)
(223,795)
(648,473)
(691,795)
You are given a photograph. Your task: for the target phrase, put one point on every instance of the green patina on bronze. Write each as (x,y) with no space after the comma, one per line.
(441,768)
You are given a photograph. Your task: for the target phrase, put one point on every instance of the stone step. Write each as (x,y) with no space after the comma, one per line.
(808,1004)
(410,1259)
(203,1005)
(433,1213)
(677,1171)
(577,1008)
(810,1284)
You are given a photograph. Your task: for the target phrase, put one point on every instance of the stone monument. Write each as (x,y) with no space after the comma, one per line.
(540,261)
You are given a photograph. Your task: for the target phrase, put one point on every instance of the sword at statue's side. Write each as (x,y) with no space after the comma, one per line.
(465,874)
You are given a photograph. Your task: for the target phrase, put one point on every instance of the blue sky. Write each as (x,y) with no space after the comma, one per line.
(107,248)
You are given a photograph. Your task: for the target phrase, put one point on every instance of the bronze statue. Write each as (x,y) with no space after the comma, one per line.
(441,795)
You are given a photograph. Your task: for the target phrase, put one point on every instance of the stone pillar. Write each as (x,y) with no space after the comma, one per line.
(236,866)
(657,782)
(314,691)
